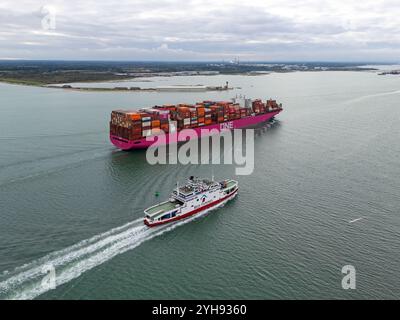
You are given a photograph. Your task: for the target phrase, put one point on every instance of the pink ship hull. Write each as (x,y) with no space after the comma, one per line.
(124,144)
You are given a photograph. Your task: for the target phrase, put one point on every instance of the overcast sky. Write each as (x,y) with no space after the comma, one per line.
(269,30)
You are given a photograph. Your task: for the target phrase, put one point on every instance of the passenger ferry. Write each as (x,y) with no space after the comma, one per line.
(195,197)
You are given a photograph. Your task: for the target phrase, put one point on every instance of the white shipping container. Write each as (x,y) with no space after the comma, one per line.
(146,133)
(159,111)
(146,124)
(186,121)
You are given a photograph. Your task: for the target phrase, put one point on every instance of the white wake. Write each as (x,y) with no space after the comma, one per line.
(25,282)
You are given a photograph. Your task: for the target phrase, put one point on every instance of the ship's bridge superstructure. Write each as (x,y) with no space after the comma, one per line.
(193,188)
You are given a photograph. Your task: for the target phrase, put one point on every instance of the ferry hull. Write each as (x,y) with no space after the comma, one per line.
(143,143)
(211,205)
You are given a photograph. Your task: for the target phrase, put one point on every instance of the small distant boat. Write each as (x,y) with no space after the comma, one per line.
(197,196)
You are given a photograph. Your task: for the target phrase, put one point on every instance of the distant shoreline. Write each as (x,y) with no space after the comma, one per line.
(138,89)
(177,88)
(125,78)
(38,73)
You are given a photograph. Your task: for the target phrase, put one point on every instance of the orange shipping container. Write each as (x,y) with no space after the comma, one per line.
(183,105)
(134,116)
(184,111)
(200,111)
(145,115)
(216,108)
(155,123)
(165,128)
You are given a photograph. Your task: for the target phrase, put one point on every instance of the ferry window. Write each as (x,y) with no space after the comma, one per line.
(165,216)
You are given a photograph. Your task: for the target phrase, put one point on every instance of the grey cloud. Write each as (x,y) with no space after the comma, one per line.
(157,30)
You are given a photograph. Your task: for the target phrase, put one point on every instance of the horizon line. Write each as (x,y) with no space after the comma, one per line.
(202,61)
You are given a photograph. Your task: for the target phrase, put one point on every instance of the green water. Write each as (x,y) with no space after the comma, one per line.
(331,157)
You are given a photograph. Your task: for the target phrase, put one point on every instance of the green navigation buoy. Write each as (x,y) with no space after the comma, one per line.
(157,194)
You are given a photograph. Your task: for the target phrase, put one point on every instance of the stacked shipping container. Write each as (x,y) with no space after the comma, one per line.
(133,125)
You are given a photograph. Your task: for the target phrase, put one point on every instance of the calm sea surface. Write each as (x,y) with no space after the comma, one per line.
(68,198)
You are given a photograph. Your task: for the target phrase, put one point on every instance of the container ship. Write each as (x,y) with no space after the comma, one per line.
(130,129)
(197,196)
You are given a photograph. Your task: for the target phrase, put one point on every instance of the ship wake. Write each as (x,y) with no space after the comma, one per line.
(26,282)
